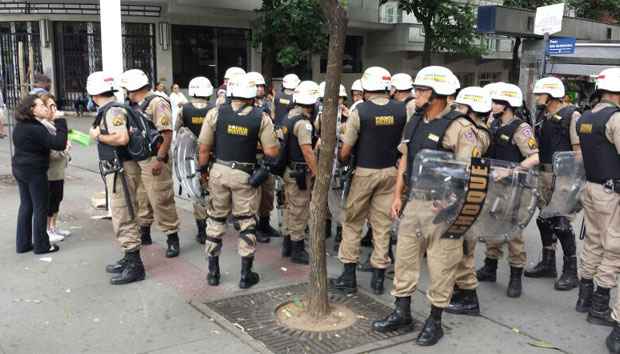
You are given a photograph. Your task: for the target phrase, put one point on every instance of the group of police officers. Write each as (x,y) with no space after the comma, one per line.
(392,119)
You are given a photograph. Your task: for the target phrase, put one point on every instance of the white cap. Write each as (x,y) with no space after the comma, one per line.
(306,93)
(477,98)
(508,93)
(551,86)
(357,85)
(200,87)
(134,79)
(376,78)
(343,91)
(241,87)
(438,78)
(100,82)
(257,77)
(290,81)
(609,80)
(402,82)
(233,71)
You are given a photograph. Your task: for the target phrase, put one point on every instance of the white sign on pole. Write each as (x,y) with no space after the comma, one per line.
(112,39)
(549,19)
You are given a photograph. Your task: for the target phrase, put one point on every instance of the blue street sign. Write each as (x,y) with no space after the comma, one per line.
(561,45)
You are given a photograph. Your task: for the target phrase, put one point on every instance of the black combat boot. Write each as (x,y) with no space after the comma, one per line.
(613,340)
(514,285)
(464,302)
(213,277)
(117,267)
(432,331)
(367,239)
(584,301)
(287,246)
(545,268)
(248,277)
(338,238)
(568,280)
(347,281)
(299,254)
(133,271)
(173,245)
(376,282)
(600,313)
(328,228)
(264,231)
(201,236)
(145,235)
(489,271)
(400,318)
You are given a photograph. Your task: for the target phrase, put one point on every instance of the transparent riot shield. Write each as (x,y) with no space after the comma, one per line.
(510,203)
(185,164)
(436,191)
(569,178)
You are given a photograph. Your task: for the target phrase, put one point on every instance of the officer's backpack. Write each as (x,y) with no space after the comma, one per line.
(144,138)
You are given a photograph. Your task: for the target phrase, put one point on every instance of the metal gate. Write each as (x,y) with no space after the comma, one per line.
(20,58)
(78,53)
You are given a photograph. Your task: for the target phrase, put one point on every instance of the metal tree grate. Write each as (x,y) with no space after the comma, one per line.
(254,314)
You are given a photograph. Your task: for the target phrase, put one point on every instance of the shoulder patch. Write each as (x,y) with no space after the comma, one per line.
(470,136)
(164,120)
(526,130)
(532,144)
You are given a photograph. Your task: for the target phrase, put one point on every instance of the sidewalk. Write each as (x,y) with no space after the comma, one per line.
(63,303)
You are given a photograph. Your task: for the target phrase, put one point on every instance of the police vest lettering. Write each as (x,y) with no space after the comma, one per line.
(294,149)
(502,147)
(237,136)
(554,135)
(600,157)
(381,128)
(420,135)
(283,104)
(193,116)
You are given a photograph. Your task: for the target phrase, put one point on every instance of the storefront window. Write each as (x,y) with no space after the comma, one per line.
(352,61)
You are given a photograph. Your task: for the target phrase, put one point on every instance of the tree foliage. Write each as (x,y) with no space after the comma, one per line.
(291,30)
(448,25)
(597,9)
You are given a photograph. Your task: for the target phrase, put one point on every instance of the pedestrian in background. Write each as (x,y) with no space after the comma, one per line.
(56,178)
(34,137)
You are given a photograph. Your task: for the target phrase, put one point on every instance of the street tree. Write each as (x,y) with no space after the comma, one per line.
(283,28)
(316,295)
(448,26)
(607,11)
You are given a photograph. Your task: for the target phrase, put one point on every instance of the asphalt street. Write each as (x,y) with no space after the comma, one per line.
(63,303)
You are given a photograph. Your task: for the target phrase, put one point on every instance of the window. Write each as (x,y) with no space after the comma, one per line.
(609,33)
(530,24)
(352,61)
(207,51)
(487,78)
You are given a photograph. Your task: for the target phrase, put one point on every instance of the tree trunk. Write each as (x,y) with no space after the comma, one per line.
(268,60)
(316,294)
(428,40)
(516,63)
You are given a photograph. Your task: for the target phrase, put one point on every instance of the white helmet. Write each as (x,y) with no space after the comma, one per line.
(508,93)
(357,85)
(402,82)
(477,98)
(492,87)
(551,86)
(456,82)
(134,79)
(200,87)
(290,81)
(100,82)
(232,72)
(256,77)
(322,89)
(241,87)
(376,78)
(609,80)
(306,93)
(438,78)
(343,92)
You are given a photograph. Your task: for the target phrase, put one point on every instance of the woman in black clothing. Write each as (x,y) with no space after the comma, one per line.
(34,138)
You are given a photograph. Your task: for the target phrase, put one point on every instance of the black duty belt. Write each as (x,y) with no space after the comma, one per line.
(235,165)
(612,185)
(297,165)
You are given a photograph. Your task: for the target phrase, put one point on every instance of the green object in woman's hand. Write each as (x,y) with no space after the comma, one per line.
(79,137)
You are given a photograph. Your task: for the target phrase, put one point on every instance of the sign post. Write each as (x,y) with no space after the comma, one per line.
(548,21)
(111,39)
